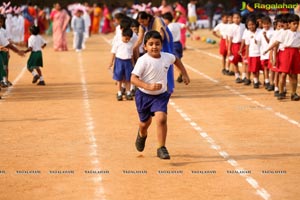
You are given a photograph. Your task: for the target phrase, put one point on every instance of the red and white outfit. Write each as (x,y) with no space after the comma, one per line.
(264,45)
(254,64)
(236,34)
(222,28)
(289,58)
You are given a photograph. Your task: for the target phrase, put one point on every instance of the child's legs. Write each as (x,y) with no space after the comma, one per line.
(79,40)
(282,80)
(272,77)
(143,127)
(127,85)
(39,71)
(276,79)
(294,82)
(119,85)
(161,121)
(224,61)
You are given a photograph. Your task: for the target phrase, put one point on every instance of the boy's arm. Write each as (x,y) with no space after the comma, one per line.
(242,46)
(15,49)
(182,70)
(44,45)
(112,61)
(229,46)
(275,44)
(28,50)
(141,84)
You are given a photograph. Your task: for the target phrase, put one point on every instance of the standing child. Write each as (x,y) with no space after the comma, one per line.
(5,56)
(253,49)
(35,61)
(290,57)
(122,60)
(78,27)
(221,28)
(152,97)
(234,44)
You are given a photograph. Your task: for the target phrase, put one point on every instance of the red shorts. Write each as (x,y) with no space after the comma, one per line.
(223,47)
(289,61)
(264,64)
(254,64)
(235,48)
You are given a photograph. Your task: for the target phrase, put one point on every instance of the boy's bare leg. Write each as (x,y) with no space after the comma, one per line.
(143,127)
(161,121)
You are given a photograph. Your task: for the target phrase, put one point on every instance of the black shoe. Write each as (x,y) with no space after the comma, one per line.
(267,85)
(140,142)
(271,87)
(119,97)
(3,84)
(276,93)
(163,153)
(9,84)
(224,71)
(238,80)
(179,79)
(255,85)
(129,97)
(41,83)
(281,96)
(123,90)
(295,97)
(230,73)
(247,82)
(35,78)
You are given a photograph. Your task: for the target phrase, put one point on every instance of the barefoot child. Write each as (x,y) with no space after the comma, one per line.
(152,97)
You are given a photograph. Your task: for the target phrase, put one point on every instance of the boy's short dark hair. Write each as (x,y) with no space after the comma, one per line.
(168,16)
(125,23)
(293,18)
(134,23)
(266,19)
(34,30)
(119,16)
(253,19)
(237,13)
(152,34)
(127,32)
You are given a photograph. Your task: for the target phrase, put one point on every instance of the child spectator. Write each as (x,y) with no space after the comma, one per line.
(78,27)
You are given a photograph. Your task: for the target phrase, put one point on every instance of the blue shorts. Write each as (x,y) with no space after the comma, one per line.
(147,104)
(122,69)
(177,49)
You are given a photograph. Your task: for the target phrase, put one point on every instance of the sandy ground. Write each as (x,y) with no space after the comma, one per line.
(71,139)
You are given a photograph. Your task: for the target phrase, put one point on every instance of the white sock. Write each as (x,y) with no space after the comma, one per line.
(119,93)
(255,80)
(132,87)
(243,75)
(4,79)
(128,92)
(276,89)
(267,80)
(123,85)
(237,75)
(41,78)
(34,73)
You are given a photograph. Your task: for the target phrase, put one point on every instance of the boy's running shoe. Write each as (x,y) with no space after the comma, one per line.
(281,96)
(129,97)
(3,84)
(163,153)
(35,78)
(255,85)
(119,97)
(140,142)
(41,83)
(271,88)
(238,80)
(247,82)
(295,97)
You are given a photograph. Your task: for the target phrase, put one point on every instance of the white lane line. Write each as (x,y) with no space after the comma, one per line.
(250,180)
(89,122)
(234,91)
(9,89)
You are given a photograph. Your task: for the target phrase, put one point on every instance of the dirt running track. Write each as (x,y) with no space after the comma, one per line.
(72,140)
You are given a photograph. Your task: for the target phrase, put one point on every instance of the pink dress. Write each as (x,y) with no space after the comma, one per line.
(106,21)
(182,19)
(60,23)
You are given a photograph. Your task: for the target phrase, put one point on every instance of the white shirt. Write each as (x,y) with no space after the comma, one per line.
(222,28)
(236,32)
(264,45)
(123,50)
(36,42)
(289,38)
(254,47)
(154,70)
(175,29)
(191,10)
(274,38)
(3,41)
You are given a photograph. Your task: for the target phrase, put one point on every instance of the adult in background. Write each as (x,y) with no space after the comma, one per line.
(30,15)
(209,10)
(192,14)
(60,19)
(147,23)
(97,16)
(165,8)
(106,20)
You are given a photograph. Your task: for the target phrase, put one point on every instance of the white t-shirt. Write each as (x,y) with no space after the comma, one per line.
(236,32)
(36,42)
(222,28)
(123,50)
(254,47)
(289,38)
(154,70)
(191,10)
(175,29)
(3,41)
(264,45)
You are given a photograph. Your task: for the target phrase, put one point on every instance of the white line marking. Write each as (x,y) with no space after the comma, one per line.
(213,145)
(89,122)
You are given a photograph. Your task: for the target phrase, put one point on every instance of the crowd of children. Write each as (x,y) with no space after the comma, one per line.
(261,49)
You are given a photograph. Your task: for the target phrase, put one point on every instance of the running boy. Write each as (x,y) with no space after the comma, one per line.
(35,44)
(152,97)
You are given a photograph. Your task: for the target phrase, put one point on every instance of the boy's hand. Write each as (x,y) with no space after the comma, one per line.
(186,79)
(21,53)
(154,86)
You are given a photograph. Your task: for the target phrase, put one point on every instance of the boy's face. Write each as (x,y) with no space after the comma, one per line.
(225,19)
(294,26)
(166,21)
(153,47)
(229,19)
(236,19)
(126,39)
(266,25)
(279,25)
(251,26)
(285,26)
(135,29)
